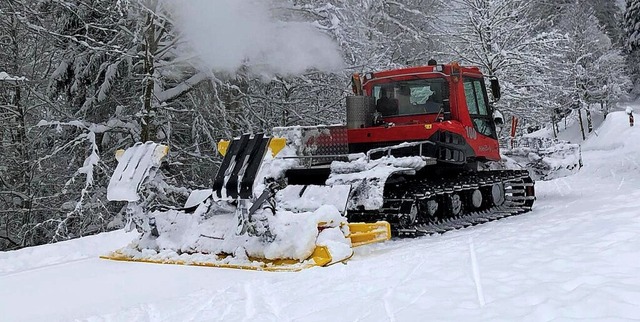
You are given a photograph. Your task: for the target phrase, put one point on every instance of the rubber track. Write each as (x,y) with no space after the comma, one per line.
(515,182)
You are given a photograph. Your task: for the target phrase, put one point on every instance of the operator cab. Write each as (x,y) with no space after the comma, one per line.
(411,97)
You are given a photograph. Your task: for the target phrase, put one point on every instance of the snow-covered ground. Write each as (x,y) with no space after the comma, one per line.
(576,256)
(569,127)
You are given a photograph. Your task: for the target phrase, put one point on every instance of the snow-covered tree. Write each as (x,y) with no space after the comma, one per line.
(612,82)
(498,36)
(100,75)
(609,15)
(84,62)
(378,34)
(24,57)
(594,74)
(632,40)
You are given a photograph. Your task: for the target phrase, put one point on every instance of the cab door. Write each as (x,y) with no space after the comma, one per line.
(482,135)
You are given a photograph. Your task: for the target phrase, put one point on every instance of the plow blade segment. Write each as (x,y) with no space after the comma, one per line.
(231,152)
(368,233)
(134,166)
(301,198)
(242,160)
(320,257)
(253,165)
(239,164)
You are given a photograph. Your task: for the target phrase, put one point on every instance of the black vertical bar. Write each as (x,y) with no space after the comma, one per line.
(235,147)
(241,161)
(253,165)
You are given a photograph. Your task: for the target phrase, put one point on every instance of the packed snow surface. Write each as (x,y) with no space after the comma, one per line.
(575,257)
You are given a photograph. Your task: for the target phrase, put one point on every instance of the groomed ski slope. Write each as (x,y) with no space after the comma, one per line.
(575,257)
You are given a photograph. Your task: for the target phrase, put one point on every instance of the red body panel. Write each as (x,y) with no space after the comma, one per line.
(421,127)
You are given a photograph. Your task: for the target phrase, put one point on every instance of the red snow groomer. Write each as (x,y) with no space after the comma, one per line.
(428,148)
(418,153)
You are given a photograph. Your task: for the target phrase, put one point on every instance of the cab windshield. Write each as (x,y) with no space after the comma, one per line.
(420,96)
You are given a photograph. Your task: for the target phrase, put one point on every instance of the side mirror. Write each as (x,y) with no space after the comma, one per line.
(495,88)
(498,119)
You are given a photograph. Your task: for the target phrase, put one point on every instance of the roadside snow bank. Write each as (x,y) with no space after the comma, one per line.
(569,128)
(546,158)
(62,252)
(616,147)
(614,133)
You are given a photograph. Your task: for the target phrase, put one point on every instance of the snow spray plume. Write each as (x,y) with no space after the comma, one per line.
(229,34)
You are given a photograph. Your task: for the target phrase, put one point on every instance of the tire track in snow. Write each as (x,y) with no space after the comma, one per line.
(387,307)
(390,312)
(193,316)
(43,267)
(476,273)
(249,306)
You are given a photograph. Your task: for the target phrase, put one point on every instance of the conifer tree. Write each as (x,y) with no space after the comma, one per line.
(632,28)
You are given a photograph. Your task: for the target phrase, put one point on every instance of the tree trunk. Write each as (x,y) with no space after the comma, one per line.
(589,121)
(581,125)
(151,46)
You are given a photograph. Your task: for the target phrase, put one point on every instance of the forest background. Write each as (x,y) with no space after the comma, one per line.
(80,79)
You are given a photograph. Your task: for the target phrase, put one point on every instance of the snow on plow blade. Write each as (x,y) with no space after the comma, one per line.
(249,219)
(320,257)
(359,234)
(135,164)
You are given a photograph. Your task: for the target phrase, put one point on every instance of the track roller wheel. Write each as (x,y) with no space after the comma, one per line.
(410,212)
(431,207)
(476,198)
(497,194)
(455,204)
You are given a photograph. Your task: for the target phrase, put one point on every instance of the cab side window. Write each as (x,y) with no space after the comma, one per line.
(476,97)
(469,93)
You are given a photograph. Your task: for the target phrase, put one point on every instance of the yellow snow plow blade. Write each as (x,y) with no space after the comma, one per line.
(320,257)
(360,234)
(367,233)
